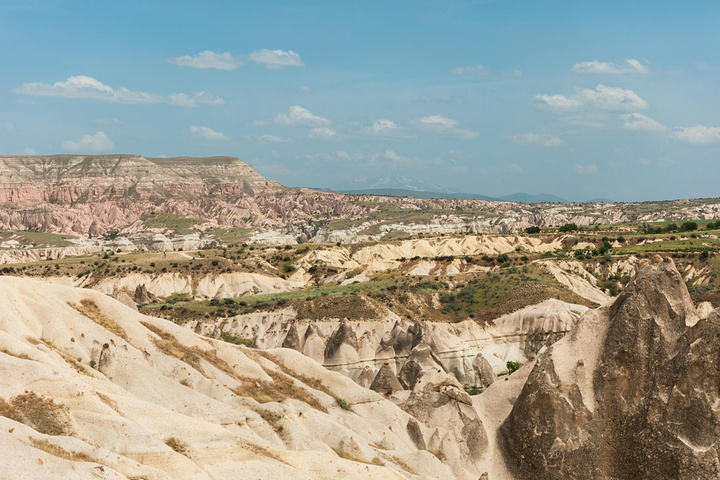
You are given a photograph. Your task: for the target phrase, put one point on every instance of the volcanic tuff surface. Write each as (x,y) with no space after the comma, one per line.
(630,393)
(92,389)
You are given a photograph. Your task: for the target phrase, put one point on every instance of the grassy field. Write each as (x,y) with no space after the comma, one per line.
(36,239)
(166,221)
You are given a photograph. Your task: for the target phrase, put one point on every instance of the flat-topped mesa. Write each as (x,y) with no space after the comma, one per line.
(81,178)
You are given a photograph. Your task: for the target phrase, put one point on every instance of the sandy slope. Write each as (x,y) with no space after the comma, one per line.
(159,381)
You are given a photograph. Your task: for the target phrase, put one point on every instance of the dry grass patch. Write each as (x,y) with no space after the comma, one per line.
(399,462)
(280,388)
(314,383)
(58,451)
(178,445)
(347,456)
(274,419)
(170,346)
(90,309)
(40,413)
(24,356)
(108,401)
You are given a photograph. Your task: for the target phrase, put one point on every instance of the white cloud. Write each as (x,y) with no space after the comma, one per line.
(586,169)
(276,58)
(515,168)
(540,139)
(90,143)
(305,89)
(447,126)
(638,121)
(201,98)
(28,151)
(382,128)
(207,133)
(208,59)
(268,138)
(88,88)
(322,133)
(699,134)
(7,126)
(609,68)
(603,98)
(299,116)
(439,121)
(472,68)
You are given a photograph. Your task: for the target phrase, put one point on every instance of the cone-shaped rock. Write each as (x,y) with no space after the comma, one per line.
(386,382)
(292,339)
(630,393)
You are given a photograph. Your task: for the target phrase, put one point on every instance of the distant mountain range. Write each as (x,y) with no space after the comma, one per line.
(402,186)
(392,182)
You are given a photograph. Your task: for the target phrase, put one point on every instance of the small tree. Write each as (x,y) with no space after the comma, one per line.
(568,227)
(688,226)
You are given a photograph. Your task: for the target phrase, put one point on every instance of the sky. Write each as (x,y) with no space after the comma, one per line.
(581,99)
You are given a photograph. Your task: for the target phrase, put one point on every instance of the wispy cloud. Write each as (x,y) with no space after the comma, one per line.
(207,133)
(389,158)
(296,116)
(208,60)
(469,69)
(602,98)
(108,121)
(88,88)
(539,139)
(322,133)
(446,126)
(596,67)
(276,59)
(268,138)
(90,143)
(590,169)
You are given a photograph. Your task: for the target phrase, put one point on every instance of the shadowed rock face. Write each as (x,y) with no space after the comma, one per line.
(630,393)
(386,381)
(292,339)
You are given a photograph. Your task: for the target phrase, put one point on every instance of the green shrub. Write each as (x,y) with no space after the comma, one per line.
(513,366)
(344,405)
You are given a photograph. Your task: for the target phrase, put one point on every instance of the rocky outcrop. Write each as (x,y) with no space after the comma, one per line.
(438,399)
(141,296)
(474,354)
(96,194)
(630,393)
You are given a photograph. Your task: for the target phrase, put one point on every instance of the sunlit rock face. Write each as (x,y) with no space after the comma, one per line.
(630,393)
(474,354)
(90,388)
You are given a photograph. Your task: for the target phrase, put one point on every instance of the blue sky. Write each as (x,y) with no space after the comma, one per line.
(576,98)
